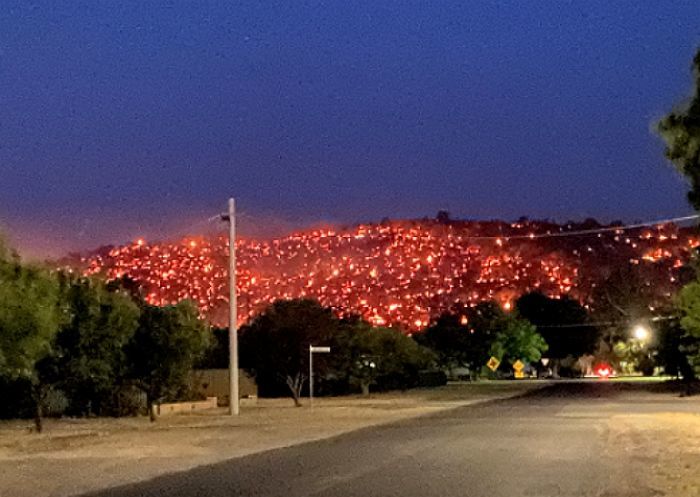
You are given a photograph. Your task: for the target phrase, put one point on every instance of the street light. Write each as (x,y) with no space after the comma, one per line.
(641,333)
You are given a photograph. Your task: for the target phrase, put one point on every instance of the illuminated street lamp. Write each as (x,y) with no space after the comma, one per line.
(641,333)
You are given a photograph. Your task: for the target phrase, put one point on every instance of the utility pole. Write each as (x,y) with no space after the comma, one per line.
(233,405)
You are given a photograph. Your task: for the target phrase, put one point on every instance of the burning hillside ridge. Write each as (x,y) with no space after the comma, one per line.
(400,272)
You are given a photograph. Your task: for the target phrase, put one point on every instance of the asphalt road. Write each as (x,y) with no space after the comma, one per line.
(550,443)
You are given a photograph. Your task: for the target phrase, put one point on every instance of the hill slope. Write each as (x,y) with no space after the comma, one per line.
(400,272)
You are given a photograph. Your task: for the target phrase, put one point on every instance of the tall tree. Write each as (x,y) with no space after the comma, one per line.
(517,340)
(688,302)
(468,336)
(167,344)
(558,320)
(484,321)
(450,339)
(29,318)
(89,360)
(680,129)
(364,356)
(625,298)
(275,344)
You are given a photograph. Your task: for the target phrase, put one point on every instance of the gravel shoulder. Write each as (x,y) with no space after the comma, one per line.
(662,450)
(75,456)
(651,437)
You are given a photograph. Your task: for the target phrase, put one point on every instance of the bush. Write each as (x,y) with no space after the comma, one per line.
(432,379)
(126,401)
(55,403)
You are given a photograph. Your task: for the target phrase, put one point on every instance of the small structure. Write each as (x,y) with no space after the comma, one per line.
(214,383)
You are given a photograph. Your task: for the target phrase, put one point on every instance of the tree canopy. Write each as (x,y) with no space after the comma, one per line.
(680,129)
(89,359)
(29,315)
(166,345)
(275,344)
(364,356)
(468,336)
(558,320)
(688,301)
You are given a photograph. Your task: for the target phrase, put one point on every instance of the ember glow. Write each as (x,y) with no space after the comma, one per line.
(396,273)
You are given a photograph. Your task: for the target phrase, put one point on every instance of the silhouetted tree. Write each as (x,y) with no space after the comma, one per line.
(469,336)
(680,129)
(30,315)
(364,356)
(167,344)
(275,344)
(88,362)
(556,320)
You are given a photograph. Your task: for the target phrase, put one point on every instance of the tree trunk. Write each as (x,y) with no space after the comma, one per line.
(151,407)
(295,384)
(365,389)
(38,395)
(38,422)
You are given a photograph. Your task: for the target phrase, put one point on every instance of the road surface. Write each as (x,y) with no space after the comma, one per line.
(554,442)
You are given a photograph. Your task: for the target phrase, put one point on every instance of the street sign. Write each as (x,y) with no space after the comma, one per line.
(314,350)
(519,374)
(319,349)
(518,365)
(493,363)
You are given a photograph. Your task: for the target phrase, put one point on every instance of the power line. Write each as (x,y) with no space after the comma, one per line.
(601,323)
(592,231)
(535,236)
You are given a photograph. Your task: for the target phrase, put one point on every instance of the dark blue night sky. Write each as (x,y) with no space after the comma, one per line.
(120,119)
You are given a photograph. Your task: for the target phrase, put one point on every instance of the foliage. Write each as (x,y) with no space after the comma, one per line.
(450,340)
(275,344)
(399,359)
(623,299)
(89,360)
(29,316)
(164,348)
(517,339)
(386,358)
(484,322)
(468,336)
(217,355)
(688,302)
(81,344)
(672,343)
(556,321)
(680,129)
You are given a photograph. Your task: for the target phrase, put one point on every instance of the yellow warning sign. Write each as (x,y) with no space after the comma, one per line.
(518,365)
(519,374)
(493,363)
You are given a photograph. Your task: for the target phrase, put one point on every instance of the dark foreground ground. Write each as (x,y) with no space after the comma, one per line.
(559,441)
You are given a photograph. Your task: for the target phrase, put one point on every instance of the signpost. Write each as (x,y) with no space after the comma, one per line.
(314,350)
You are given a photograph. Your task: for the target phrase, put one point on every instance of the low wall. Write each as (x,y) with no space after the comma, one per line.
(180,407)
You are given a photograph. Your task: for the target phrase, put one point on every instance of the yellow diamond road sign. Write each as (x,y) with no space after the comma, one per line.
(493,363)
(518,366)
